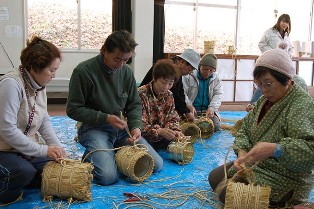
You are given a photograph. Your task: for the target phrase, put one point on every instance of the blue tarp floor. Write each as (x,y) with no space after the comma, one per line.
(175,186)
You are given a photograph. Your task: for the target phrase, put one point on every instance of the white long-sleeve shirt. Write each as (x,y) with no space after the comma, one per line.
(12,96)
(272,38)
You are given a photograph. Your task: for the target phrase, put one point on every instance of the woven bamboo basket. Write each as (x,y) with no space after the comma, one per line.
(67,179)
(206,126)
(135,163)
(242,196)
(192,130)
(181,151)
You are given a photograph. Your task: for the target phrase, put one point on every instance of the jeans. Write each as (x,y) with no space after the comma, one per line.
(17,172)
(94,137)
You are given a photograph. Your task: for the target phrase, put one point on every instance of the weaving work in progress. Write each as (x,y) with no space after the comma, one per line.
(192,130)
(206,126)
(175,186)
(135,163)
(67,179)
(181,151)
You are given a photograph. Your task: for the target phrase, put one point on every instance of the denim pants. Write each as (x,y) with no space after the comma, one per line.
(18,171)
(94,137)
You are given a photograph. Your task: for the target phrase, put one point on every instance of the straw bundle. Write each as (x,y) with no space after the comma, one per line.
(181,151)
(67,179)
(135,163)
(206,126)
(192,130)
(209,47)
(242,196)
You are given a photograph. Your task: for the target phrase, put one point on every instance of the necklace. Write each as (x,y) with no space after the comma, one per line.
(30,107)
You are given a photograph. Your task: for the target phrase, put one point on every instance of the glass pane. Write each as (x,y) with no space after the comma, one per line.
(245,69)
(258,16)
(54,20)
(179,27)
(96,22)
(305,71)
(222,2)
(228,87)
(300,17)
(225,68)
(244,91)
(216,24)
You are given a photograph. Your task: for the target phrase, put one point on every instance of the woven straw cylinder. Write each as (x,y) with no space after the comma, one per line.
(192,130)
(67,179)
(209,47)
(207,127)
(135,163)
(181,152)
(242,196)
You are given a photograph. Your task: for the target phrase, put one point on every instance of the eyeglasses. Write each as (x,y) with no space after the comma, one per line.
(189,65)
(267,86)
(208,69)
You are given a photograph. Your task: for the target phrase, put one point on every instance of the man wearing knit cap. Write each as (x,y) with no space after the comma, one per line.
(276,140)
(186,62)
(204,89)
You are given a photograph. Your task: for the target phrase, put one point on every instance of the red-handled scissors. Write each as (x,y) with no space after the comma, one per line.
(132,197)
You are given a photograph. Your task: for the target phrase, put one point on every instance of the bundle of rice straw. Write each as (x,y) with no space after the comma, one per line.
(181,151)
(242,196)
(67,179)
(135,163)
(192,130)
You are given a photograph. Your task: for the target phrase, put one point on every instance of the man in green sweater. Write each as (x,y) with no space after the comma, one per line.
(101,90)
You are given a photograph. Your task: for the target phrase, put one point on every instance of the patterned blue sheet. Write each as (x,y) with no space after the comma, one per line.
(175,186)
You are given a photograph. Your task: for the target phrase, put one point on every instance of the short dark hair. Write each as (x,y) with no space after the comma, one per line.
(285,18)
(260,71)
(165,68)
(38,54)
(122,40)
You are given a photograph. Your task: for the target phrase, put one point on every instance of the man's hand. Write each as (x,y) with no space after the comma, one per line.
(190,116)
(209,113)
(136,135)
(116,122)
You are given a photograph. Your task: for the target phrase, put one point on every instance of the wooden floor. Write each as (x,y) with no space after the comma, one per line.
(59,109)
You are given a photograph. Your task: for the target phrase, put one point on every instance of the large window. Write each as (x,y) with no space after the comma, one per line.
(191,22)
(71,24)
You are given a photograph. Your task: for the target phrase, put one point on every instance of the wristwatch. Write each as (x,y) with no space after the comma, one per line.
(278,151)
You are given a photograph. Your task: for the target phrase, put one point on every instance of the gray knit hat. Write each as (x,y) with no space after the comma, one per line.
(191,57)
(278,60)
(210,60)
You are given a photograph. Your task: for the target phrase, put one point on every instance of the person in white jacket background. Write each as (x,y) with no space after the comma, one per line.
(204,90)
(276,35)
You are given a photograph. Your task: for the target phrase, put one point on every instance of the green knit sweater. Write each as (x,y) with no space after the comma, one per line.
(94,93)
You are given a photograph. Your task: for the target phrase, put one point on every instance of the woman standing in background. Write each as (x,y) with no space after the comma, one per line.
(277,34)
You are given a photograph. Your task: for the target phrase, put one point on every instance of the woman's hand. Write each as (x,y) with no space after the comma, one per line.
(56,153)
(238,163)
(259,152)
(168,133)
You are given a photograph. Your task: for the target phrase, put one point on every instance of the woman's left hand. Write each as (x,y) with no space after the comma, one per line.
(259,152)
